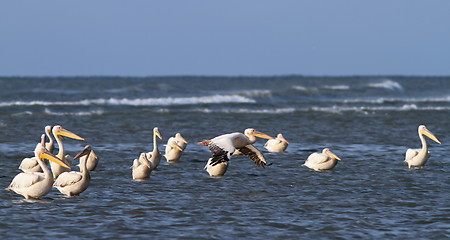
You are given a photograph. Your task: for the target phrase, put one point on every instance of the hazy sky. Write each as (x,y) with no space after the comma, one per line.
(233,37)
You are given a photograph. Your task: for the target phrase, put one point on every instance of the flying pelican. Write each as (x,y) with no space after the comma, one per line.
(278,144)
(36,184)
(216,170)
(92,160)
(73,183)
(142,168)
(182,143)
(322,161)
(223,146)
(418,157)
(31,164)
(155,156)
(58,133)
(173,150)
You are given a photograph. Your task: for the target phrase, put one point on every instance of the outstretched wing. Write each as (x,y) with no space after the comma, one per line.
(218,154)
(254,154)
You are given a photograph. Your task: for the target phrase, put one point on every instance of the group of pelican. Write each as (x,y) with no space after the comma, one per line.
(37,180)
(148,162)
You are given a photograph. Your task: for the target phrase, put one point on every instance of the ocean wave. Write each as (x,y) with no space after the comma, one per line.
(406,107)
(337,87)
(387,84)
(256,93)
(77,113)
(392,100)
(215,99)
(245,110)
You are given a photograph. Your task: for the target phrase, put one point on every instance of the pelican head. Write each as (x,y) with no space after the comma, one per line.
(157,133)
(143,156)
(180,138)
(48,129)
(85,152)
(424,131)
(280,136)
(59,131)
(253,132)
(42,153)
(328,152)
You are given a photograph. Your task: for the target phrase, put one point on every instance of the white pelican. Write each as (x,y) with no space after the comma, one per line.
(58,133)
(216,170)
(92,160)
(322,161)
(31,164)
(36,184)
(278,144)
(173,150)
(73,183)
(418,157)
(182,143)
(223,146)
(142,168)
(155,156)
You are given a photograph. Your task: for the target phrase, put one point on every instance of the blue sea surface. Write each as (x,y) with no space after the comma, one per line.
(368,121)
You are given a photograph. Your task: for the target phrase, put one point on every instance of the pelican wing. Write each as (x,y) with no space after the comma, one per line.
(411,153)
(218,154)
(24,180)
(254,154)
(67,178)
(28,163)
(318,158)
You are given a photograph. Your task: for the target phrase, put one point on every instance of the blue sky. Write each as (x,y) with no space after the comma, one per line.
(234,37)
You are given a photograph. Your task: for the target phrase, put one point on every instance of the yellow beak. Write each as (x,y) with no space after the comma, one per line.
(261,135)
(430,135)
(329,153)
(177,147)
(53,158)
(69,134)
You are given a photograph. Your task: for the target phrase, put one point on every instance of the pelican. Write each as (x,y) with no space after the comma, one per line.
(73,183)
(278,144)
(155,156)
(322,161)
(223,146)
(173,150)
(142,167)
(182,143)
(31,164)
(58,133)
(418,157)
(36,184)
(216,170)
(92,160)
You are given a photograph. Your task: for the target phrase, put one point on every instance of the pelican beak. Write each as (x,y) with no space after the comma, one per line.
(53,158)
(146,162)
(329,153)
(427,133)
(86,151)
(158,134)
(177,147)
(183,140)
(261,135)
(69,134)
(286,140)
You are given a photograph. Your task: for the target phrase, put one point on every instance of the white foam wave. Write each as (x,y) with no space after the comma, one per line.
(256,93)
(337,87)
(215,99)
(78,113)
(406,100)
(245,110)
(406,107)
(387,84)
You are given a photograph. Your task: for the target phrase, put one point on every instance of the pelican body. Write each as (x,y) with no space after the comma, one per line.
(322,161)
(155,156)
(216,170)
(173,150)
(416,158)
(223,146)
(58,133)
(91,160)
(31,164)
(34,185)
(278,144)
(142,167)
(73,183)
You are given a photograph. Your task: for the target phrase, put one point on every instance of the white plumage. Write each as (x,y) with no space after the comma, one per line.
(418,157)
(279,144)
(322,161)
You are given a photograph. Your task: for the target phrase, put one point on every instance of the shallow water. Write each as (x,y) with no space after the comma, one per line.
(368,121)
